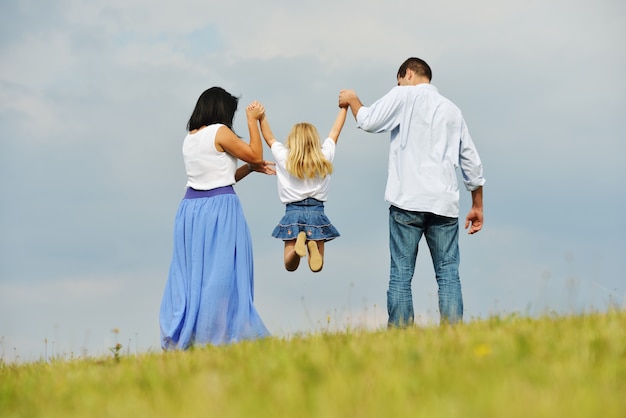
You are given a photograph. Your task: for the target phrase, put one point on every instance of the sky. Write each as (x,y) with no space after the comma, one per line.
(94,101)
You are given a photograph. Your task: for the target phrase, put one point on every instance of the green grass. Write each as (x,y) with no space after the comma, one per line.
(514,366)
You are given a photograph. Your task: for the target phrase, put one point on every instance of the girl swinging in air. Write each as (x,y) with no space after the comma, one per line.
(303,168)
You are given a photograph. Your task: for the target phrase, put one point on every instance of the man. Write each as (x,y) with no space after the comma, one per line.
(429,140)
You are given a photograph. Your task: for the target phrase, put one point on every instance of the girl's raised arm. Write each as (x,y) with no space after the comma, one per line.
(266,131)
(338,125)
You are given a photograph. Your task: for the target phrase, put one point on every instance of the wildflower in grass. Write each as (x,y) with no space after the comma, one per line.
(482,350)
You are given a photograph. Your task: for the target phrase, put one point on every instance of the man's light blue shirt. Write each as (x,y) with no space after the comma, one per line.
(429,140)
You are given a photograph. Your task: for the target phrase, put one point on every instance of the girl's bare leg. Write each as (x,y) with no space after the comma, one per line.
(292,260)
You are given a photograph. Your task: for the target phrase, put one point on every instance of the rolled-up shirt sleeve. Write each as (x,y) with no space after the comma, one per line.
(383,115)
(469,161)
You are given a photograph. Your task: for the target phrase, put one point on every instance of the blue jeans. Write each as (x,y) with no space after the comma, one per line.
(442,236)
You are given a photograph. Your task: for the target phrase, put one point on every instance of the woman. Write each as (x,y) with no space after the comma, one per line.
(208,297)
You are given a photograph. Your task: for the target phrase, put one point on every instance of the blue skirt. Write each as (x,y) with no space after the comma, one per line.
(208,297)
(306,215)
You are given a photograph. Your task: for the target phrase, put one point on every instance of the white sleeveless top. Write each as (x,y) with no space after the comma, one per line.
(206,167)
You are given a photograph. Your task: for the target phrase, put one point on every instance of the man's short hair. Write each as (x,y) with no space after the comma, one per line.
(418,66)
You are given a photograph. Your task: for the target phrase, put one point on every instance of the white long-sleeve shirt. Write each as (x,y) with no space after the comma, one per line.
(429,140)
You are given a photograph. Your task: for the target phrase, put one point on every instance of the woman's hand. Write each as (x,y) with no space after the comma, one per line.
(255,110)
(265,167)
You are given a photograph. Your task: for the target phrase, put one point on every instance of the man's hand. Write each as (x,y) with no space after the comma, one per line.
(474,220)
(348,98)
(345,97)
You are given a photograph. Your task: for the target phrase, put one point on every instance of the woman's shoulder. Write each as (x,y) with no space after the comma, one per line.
(206,130)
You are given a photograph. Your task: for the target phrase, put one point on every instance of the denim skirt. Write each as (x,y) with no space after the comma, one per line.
(306,215)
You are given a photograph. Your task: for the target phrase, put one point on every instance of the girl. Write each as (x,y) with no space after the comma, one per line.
(303,167)
(208,297)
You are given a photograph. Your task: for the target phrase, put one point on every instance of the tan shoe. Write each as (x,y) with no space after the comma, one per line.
(316,262)
(300,247)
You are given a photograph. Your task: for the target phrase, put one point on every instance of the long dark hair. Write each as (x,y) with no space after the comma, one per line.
(215,105)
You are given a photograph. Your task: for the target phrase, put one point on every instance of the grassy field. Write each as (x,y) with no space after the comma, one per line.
(514,366)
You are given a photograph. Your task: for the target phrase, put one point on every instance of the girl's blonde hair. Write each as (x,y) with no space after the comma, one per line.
(305,158)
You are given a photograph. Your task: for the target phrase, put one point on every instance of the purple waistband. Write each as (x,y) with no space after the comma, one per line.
(197,194)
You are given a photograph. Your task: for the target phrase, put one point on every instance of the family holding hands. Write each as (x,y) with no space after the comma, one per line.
(208,297)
